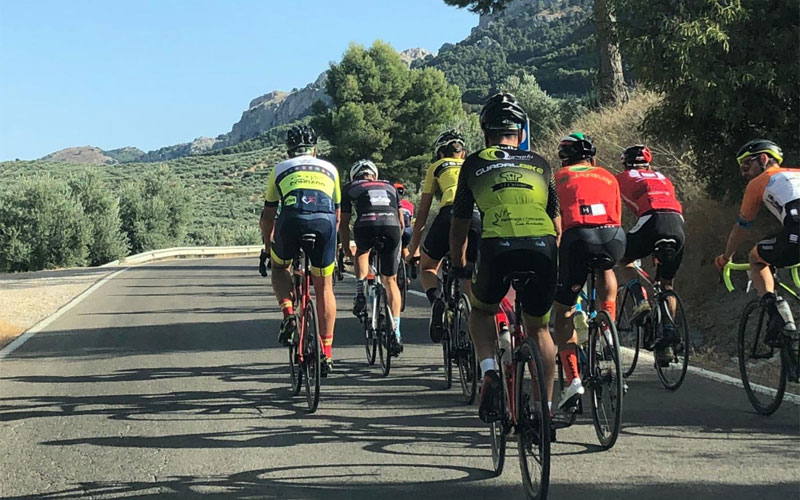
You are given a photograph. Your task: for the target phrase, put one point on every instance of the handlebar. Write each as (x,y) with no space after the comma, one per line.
(745,266)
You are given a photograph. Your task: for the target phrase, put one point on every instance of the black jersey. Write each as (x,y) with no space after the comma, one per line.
(375,202)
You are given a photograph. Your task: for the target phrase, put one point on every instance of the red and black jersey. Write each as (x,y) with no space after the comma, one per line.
(647,191)
(375,202)
(588,196)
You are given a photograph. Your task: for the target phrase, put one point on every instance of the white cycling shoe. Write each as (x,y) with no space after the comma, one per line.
(571,394)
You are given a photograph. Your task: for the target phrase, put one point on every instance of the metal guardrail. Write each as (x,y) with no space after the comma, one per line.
(167,253)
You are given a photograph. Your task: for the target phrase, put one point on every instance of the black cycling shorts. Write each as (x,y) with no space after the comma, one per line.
(437,241)
(578,246)
(286,241)
(652,227)
(783,248)
(501,256)
(389,256)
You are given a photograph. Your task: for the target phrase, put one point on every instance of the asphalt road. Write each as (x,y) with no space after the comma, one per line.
(167,383)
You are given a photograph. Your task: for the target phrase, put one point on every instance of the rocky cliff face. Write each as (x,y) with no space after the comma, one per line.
(88,155)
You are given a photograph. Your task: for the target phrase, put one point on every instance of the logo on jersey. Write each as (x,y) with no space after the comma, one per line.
(510,176)
(493,154)
(379,198)
(290,200)
(309,200)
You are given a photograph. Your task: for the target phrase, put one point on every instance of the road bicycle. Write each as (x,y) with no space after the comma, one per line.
(600,367)
(304,354)
(457,347)
(660,329)
(525,409)
(377,317)
(755,353)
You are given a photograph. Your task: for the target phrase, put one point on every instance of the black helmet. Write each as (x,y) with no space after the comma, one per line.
(300,136)
(636,156)
(758,146)
(502,112)
(576,147)
(448,138)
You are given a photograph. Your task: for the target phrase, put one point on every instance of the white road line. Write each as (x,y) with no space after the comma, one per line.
(17,342)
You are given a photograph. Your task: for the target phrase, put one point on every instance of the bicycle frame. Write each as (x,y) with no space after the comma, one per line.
(302,286)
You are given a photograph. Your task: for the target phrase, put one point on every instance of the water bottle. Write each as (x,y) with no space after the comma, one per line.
(504,341)
(581,326)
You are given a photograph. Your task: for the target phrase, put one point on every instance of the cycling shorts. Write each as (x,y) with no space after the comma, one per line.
(500,256)
(389,256)
(783,248)
(437,241)
(578,246)
(286,241)
(408,232)
(652,227)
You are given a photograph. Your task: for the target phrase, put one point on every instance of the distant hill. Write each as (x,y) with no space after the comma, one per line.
(88,155)
(126,154)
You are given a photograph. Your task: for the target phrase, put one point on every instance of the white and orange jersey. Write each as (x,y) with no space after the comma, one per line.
(775,188)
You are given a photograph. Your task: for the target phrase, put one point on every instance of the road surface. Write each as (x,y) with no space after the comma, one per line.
(166,382)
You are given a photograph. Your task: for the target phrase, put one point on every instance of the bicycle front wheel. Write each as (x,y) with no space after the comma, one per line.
(466,358)
(674,332)
(311,356)
(630,335)
(605,376)
(533,421)
(759,364)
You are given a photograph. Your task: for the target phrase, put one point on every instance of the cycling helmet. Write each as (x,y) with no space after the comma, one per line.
(448,138)
(362,167)
(502,112)
(300,136)
(758,146)
(576,147)
(636,157)
(401,189)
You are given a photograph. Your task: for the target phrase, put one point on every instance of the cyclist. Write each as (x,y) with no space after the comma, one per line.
(378,217)
(779,189)
(441,177)
(651,197)
(308,190)
(590,207)
(407,209)
(516,195)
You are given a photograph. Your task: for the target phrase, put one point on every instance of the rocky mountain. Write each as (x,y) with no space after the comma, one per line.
(126,154)
(88,155)
(197,146)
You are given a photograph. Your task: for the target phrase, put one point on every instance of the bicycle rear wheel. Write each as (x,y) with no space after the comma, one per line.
(630,336)
(759,363)
(370,339)
(499,429)
(311,356)
(533,421)
(466,358)
(605,375)
(295,370)
(447,356)
(672,376)
(384,330)
(402,283)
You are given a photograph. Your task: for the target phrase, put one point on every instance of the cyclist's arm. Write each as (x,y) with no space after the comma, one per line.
(423,209)
(554,208)
(736,237)
(267,224)
(751,205)
(462,216)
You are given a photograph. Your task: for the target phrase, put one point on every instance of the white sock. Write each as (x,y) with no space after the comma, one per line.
(397,327)
(550,405)
(488,364)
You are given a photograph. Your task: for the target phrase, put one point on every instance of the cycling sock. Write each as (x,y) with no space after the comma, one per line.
(610,307)
(569,362)
(488,364)
(500,318)
(327,347)
(360,286)
(433,294)
(286,307)
(397,327)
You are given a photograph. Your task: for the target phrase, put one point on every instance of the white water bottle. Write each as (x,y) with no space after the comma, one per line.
(504,341)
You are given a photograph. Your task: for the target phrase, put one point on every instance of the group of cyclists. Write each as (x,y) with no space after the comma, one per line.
(503,210)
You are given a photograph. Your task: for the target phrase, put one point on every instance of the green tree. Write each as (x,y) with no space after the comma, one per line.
(101,208)
(544,112)
(382,109)
(728,72)
(155,210)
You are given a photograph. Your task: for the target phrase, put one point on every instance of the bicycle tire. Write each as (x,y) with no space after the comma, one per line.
(533,421)
(311,356)
(672,377)
(466,358)
(630,336)
(370,341)
(748,348)
(384,330)
(606,380)
(295,370)
(447,359)
(402,283)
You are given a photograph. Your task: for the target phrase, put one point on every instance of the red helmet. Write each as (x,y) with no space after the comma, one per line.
(401,189)
(637,156)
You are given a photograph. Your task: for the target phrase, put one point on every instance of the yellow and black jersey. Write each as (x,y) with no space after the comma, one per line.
(442,175)
(305,184)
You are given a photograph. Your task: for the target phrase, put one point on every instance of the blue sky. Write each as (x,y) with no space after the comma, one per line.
(151,73)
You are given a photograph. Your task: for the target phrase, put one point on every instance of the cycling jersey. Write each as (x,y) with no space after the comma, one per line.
(443,174)
(408,212)
(776,187)
(304,184)
(375,201)
(513,189)
(588,196)
(647,191)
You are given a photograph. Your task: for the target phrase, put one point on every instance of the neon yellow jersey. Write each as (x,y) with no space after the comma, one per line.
(305,184)
(443,175)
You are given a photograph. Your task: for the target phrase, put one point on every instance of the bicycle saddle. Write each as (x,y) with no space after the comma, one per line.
(601,263)
(519,279)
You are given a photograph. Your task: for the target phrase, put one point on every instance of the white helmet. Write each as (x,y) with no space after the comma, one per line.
(361,166)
